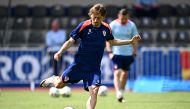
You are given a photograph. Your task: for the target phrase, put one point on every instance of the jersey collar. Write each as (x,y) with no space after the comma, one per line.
(117,20)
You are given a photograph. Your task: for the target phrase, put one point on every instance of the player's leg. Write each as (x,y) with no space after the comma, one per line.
(70,75)
(125,69)
(53,81)
(123,79)
(117,79)
(91,102)
(117,83)
(92,81)
(58,82)
(126,62)
(117,73)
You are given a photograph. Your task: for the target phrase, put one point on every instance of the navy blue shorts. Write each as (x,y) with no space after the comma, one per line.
(76,72)
(122,62)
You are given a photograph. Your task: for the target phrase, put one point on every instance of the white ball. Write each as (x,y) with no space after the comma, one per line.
(68,108)
(103,91)
(65,91)
(54,92)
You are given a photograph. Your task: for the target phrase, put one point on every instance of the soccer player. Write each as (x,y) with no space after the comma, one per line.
(94,34)
(122,56)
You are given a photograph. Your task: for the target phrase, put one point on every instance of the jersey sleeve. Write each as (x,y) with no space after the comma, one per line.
(109,35)
(75,33)
(134,30)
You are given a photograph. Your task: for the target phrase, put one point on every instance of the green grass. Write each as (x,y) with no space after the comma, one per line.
(41,100)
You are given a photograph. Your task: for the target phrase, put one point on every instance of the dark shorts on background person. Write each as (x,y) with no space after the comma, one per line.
(122,62)
(57,65)
(76,72)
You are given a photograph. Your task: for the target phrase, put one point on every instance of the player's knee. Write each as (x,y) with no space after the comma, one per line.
(94,91)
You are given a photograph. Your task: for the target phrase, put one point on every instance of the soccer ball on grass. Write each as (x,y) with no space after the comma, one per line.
(103,91)
(65,91)
(54,92)
(68,108)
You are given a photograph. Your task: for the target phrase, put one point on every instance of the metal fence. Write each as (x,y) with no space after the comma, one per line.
(21,66)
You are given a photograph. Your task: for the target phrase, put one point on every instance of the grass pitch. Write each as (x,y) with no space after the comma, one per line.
(41,100)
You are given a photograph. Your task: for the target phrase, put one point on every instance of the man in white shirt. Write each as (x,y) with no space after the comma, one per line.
(122,56)
(54,40)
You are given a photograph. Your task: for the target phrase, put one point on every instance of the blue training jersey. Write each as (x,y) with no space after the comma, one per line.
(93,41)
(126,31)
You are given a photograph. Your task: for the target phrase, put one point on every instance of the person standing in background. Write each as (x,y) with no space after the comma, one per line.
(54,40)
(122,56)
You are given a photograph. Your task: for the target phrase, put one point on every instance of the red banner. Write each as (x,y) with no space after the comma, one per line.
(185,62)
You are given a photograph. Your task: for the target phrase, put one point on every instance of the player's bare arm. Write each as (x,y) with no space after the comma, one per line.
(135,48)
(135,39)
(64,47)
(109,49)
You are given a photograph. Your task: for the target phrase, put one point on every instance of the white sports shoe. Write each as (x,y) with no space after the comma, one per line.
(120,97)
(121,100)
(48,82)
